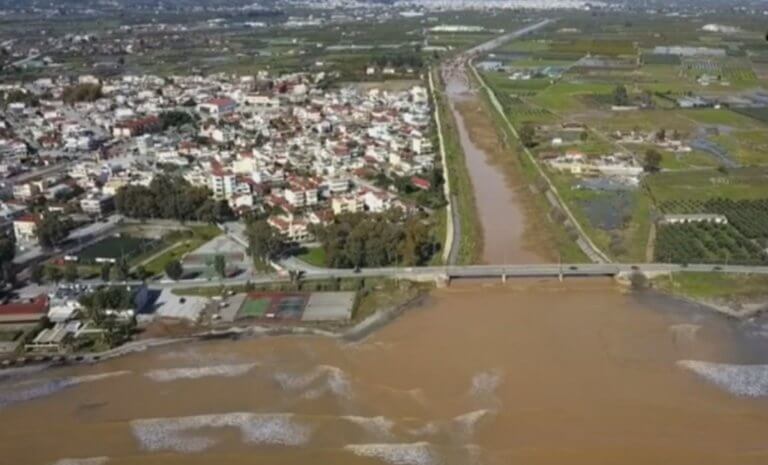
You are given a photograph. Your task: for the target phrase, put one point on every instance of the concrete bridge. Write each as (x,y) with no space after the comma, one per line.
(560,271)
(445,274)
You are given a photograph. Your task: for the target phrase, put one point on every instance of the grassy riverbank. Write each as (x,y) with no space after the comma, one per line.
(714,285)
(735,295)
(471,239)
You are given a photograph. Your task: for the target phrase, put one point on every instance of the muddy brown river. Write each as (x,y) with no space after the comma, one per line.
(498,199)
(536,372)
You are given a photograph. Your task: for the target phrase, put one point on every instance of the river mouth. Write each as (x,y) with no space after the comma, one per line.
(534,371)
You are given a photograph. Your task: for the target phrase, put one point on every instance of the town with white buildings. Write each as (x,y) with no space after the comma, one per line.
(287,149)
(279,144)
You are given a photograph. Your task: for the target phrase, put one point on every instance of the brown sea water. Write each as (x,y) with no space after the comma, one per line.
(535,372)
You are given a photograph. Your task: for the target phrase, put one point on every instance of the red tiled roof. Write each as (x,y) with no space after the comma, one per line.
(421,183)
(221,102)
(28,218)
(39,305)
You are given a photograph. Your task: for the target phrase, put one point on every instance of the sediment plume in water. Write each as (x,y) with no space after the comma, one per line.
(177,434)
(684,332)
(173,374)
(43,388)
(417,453)
(740,380)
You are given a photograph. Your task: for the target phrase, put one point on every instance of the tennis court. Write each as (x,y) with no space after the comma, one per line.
(295,306)
(274,305)
(254,308)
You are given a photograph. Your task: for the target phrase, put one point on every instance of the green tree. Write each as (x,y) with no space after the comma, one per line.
(70,272)
(122,270)
(528,135)
(51,230)
(168,196)
(220,265)
(7,249)
(7,252)
(9,274)
(36,274)
(372,240)
(106,271)
(81,93)
(264,242)
(142,274)
(175,118)
(53,274)
(652,161)
(174,270)
(620,96)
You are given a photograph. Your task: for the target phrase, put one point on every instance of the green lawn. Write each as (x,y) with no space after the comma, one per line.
(180,244)
(565,96)
(314,256)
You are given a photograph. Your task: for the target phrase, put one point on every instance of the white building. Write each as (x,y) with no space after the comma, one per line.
(223,183)
(217,107)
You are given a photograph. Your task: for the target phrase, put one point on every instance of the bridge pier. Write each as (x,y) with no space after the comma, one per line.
(442,281)
(504,277)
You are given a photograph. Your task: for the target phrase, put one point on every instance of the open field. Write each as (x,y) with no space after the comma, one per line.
(115,248)
(742,183)
(620,51)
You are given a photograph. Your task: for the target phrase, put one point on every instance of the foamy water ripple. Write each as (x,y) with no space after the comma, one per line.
(323,379)
(178,434)
(485,383)
(82,461)
(466,423)
(381,427)
(417,453)
(173,374)
(740,380)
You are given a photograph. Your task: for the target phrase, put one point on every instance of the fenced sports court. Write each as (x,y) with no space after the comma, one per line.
(295,306)
(274,305)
